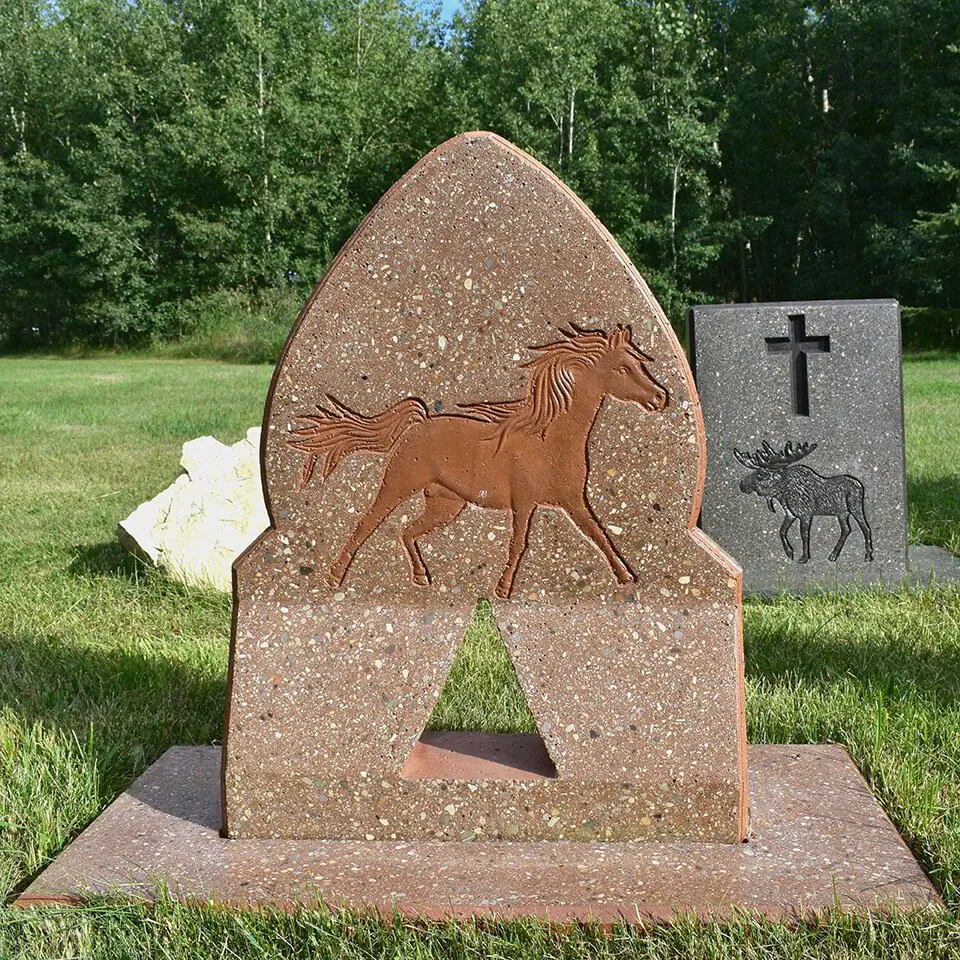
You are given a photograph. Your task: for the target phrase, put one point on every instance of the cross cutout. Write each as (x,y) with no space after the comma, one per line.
(798,345)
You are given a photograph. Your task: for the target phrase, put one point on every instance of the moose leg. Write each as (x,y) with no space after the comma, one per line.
(390,496)
(440,507)
(784,539)
(844,533)
(861,518)
(590,527)
(518,544)
(805,537)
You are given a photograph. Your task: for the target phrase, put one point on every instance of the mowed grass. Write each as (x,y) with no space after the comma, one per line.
(932,413)
(104,664)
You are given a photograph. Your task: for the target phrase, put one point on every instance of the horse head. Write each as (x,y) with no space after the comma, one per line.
(625,375)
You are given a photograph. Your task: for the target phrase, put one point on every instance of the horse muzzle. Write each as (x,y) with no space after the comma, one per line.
(660,401)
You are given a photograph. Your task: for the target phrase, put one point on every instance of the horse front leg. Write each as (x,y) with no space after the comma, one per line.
(581,514)
(393,491)
(518,544)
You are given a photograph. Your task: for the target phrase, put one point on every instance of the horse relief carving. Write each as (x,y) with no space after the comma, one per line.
(512,455)
(804,494)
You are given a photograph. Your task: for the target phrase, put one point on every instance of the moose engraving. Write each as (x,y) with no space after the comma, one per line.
(512,455)
(804,494)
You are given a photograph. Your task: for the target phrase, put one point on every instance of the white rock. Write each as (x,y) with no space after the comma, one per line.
(211,513)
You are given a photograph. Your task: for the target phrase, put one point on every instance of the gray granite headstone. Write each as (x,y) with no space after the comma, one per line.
(803,408)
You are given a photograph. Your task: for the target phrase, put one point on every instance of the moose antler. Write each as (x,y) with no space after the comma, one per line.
(766,456)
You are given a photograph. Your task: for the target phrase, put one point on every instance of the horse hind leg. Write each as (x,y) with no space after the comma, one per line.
(391,494)
(440,507)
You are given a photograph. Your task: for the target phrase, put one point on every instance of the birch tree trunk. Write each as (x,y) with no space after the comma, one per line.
(262,130)
(673,215)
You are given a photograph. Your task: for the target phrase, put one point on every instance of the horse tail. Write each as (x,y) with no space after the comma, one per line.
(335,433)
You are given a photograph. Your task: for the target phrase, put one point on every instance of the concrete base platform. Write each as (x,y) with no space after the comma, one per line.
(819,839)
(927,566)
(932,565)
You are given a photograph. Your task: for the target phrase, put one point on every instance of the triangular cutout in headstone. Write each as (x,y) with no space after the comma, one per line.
(481,727)
(482,691)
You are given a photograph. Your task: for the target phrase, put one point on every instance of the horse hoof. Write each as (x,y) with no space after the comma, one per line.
(833,557)
(502,592)
(627,577)
(803,560)
(335,579)
(421,580)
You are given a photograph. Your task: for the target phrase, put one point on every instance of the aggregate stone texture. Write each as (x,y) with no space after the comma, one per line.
(482,398)
(803,406)
(818,840)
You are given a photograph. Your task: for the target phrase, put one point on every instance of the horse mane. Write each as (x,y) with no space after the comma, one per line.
(550,392)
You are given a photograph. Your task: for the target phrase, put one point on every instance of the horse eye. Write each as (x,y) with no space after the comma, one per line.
(622,370)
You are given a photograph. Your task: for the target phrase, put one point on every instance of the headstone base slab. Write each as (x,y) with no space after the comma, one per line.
(931,565)
(927,566)
(819,840)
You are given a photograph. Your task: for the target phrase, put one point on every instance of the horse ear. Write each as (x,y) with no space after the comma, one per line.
(623,335)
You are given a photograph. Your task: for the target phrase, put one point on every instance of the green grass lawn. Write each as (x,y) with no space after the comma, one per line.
(104,664)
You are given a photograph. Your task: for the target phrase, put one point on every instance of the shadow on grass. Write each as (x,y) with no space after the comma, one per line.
(109,559)
(934,504)
(123,707)
(112,559)
(888,666)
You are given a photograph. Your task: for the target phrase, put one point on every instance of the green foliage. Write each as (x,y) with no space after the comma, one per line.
(618,99)
(927,328)
(159,151)
(155,153)
(835,116)
(228,325)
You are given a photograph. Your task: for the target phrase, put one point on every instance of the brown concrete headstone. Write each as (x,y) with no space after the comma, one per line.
(483,398)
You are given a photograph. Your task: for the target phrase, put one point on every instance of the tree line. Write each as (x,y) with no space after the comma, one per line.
(161,160)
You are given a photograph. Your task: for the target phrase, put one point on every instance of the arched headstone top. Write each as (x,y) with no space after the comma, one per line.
(483,317)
